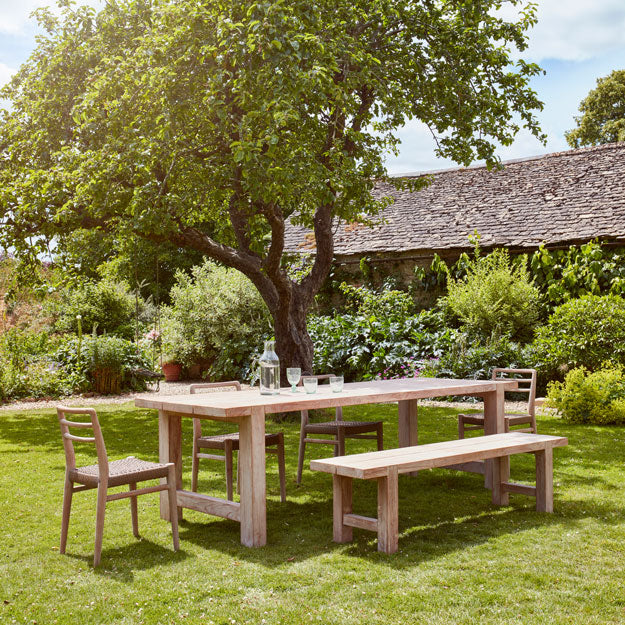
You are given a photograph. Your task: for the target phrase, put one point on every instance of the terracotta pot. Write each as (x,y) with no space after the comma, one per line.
(172,371)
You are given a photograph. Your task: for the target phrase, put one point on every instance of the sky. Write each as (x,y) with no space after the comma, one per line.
(575,42)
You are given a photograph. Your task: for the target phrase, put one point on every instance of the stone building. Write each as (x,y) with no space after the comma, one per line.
(556,200)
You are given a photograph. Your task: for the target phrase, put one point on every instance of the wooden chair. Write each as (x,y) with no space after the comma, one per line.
(338,429)
(527,385)
(105,475)
(274,444)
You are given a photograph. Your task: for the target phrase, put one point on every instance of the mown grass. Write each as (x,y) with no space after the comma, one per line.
(460,560)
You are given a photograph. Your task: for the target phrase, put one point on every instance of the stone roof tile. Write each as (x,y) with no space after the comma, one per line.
(553,199)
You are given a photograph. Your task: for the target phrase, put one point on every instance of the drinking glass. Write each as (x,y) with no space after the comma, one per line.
(310,384)
(293,374)
(336,383)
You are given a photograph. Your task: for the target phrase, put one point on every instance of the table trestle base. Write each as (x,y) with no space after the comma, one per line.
(209,505)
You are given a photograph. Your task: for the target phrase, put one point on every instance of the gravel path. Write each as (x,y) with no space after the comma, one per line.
(182,388)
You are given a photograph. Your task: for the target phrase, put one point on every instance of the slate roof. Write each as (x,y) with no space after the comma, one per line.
(560,198)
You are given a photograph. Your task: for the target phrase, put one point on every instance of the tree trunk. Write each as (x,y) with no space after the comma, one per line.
(293,344)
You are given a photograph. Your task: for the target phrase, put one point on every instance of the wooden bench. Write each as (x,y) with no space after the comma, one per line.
(386,465)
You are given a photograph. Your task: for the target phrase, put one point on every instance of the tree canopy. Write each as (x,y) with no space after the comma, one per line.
(602,118)
(211,125)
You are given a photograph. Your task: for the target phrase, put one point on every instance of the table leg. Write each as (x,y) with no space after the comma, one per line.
(170,450)
(252,476)
(494,411)
(408,428)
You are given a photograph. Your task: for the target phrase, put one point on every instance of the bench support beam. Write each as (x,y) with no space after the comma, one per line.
(342,492)
(388,512)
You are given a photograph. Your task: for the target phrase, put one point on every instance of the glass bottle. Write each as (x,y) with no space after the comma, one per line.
(269,370)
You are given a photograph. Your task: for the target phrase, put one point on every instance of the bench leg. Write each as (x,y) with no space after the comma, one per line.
(342,493)
(544,480)
(500,473)
(388,512)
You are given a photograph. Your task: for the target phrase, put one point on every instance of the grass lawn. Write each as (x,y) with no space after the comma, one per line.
(461,560)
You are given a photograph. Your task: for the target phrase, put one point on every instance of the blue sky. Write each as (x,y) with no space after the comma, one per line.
(575,41)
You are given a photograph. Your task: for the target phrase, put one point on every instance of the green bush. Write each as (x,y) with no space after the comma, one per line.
(217,318)
(585,397)
(26,367)
(108,306)
(102,363)
(583,332)
(363,347)
(495,297)
(589,269)
(475,358)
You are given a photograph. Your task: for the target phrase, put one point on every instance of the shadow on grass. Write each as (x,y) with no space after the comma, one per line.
(121,563)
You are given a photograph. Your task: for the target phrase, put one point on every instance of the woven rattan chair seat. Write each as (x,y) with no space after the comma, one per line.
(120,472)
(218,441)
(331,427)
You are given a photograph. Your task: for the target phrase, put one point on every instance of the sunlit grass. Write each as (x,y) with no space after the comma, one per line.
(460,559)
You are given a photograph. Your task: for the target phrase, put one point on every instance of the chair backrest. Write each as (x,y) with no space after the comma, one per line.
(194,388)
(69,439)
(338,413)
(526,379)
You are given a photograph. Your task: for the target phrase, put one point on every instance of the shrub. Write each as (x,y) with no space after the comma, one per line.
(583,332)
(590,269)
(103,363)
(495,296)
(108,306)
(365,346)
(585,397)
(475,358)
(217,317)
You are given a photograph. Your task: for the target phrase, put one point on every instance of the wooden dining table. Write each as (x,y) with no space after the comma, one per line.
(249,408)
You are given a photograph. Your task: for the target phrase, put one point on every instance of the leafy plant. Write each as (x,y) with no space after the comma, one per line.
(589,269)
(475,358)
(107,306)
(217,318)
(588,332)
(496,296)
(590,397)
(363,347)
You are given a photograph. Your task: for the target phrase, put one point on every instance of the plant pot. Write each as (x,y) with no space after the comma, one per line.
(172,371)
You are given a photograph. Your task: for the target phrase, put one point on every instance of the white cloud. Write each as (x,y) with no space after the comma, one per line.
(575,30)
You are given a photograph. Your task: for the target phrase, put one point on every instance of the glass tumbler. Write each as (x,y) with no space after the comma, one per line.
(336,383)
(310,384)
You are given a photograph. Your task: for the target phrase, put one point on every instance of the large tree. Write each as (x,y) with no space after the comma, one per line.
(602,118)
(212,124)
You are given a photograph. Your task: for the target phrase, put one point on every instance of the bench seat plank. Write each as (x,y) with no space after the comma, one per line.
(406,459)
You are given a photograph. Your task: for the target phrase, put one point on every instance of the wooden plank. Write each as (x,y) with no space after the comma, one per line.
(209,505)
(434,455)
(252,479)
(544,480)
(361,522)
(523,489)
(169,450)
(341,505)
(240,403)
(388,512)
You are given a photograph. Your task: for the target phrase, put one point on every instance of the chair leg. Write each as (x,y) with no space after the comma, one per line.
(133,511)
(339,450)
(99,522)
(195,461)
(228,458)
(460,427)
(281,467)
(300,457)
(380,434)
(68,491)
(173,508)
